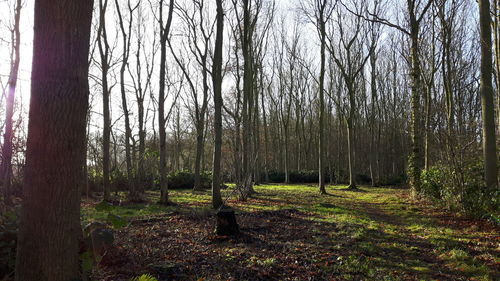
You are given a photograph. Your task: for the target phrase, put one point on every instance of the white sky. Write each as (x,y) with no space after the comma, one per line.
(26,24)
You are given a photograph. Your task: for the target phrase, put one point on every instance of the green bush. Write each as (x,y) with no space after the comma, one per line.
(8,241)
(432,182)
(363,179)
(276,177)
(397,180)
(185,180)
(302,176)
(462,189)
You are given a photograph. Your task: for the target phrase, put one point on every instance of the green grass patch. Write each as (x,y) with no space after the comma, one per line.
(373,232)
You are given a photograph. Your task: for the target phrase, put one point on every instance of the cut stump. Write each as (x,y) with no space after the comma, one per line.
(226,223)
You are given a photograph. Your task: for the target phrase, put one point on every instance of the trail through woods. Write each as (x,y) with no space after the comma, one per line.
(293,233)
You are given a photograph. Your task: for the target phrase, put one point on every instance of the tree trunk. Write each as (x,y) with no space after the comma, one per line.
(248,84)
(128,132)
(164,31)
(415,159)
(486,92)
(102,43)
(55,156)
(217,84)
(199,152)
(496,25)
(350,150)
(287,174)
(6,169)
(321,145)
(266,173)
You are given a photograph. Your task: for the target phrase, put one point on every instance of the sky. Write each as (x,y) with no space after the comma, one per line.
(23,89)
(26,25)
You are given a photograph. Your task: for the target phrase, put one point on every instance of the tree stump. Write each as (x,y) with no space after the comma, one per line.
(226,223)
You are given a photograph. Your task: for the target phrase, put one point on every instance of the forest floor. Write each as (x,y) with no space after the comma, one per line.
(290,232)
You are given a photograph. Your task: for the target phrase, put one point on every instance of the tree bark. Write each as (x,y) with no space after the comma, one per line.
(486,92)
(102,43)
(321,145)
(55,157)
(164,32)
(217,84)
(415,159)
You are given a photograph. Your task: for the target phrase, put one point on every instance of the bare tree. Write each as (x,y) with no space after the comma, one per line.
(198,31)
(247,13)
(415,13)
(104,51)
(164,33)
(350,58)
(126,33)
(319,13)
(218,102)
(141,86)
(6,167)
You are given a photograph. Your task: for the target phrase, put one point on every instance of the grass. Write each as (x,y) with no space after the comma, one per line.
(373,232)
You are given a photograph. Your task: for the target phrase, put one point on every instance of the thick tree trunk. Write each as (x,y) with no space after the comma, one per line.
(486,92)
(55,156)
(248,77)
(415,159)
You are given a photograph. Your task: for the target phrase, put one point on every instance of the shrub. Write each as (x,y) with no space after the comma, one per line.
(363,179)
(462,189)
(431,182)
(185,180)
(304,176)
(8,241)
(119,181)
(393,180)
(301,176)
(276,177)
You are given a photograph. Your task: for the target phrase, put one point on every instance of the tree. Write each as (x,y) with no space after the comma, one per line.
(162,120)
(413,7)
(350,58)
(55,157)
(486,92)
(319,13)
(246,27)
(217,85)
(104,52)
(6,167)
(141,87)
(126,32)
(198,34)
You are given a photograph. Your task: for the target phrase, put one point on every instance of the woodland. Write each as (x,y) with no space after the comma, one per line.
(207,140)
